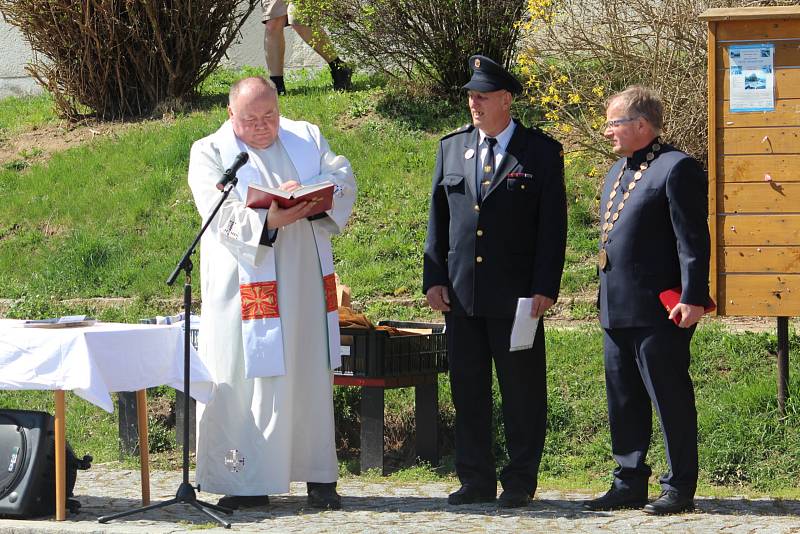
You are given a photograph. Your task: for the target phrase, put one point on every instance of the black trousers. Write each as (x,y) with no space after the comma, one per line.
(645,365)
(473,342)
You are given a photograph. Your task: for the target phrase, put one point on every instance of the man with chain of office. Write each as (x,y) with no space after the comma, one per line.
(654,239)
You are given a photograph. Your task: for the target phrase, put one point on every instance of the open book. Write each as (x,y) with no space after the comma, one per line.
(260,196)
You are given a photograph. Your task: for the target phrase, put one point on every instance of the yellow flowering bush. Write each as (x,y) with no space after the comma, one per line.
(576,53)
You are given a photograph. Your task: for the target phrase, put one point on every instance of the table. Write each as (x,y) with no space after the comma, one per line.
(93,362)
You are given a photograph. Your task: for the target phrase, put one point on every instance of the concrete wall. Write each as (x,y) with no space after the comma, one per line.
(15,54)
(250,48)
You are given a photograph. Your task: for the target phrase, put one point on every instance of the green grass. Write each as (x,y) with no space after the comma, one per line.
(24,113)
(743,441)
(111,218)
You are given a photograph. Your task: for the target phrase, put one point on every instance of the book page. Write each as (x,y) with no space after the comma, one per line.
(523,333)
(306,189)
(272,190)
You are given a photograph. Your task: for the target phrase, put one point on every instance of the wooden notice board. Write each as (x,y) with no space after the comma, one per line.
(754,165)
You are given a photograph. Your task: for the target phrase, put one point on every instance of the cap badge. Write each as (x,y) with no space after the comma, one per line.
(477,63)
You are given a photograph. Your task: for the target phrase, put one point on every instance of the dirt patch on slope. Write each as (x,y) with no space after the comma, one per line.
(38,144)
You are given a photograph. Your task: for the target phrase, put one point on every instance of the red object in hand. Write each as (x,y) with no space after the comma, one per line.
(672,297)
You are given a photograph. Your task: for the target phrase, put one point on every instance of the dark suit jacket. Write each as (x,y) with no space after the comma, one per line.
(513,244)
(660,240)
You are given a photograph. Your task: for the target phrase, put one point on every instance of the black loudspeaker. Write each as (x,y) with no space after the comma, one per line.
(27,459)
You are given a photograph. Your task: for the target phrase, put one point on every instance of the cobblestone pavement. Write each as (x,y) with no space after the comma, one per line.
(392,506)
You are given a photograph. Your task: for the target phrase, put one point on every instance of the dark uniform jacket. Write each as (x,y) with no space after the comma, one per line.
(512,244)
(660,240)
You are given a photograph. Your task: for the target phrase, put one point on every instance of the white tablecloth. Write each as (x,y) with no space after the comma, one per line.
(97,360)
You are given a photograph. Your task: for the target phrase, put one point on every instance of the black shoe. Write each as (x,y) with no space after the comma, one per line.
(234,502)
(470,494)
(323,495)
(616,499)
(342,78)
(513,498)
(279,84)
(670,502)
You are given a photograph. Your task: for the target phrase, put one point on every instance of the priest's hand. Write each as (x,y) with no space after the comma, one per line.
(289,186)
(438,298)
(278,217)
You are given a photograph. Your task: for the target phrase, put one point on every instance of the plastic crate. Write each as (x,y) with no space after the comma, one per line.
(194,329)
(375,353)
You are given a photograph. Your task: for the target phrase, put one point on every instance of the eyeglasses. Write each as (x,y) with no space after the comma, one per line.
(618,122)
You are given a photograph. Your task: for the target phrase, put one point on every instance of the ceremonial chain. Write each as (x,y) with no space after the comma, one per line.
(608,219)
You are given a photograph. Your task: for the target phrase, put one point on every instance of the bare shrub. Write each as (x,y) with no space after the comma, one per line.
(123,58)
(578,52)
(431,37)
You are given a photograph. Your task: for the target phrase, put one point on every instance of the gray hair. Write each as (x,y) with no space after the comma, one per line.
(643,102)
(239,85)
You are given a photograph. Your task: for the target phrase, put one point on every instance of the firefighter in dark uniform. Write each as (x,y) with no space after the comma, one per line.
(496,232)
(654,237)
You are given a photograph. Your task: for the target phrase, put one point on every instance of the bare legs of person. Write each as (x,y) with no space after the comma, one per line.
(275,48)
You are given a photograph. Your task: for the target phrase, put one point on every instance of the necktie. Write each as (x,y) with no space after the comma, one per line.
(488,168)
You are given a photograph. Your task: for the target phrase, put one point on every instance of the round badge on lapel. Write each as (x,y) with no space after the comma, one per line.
(469,153)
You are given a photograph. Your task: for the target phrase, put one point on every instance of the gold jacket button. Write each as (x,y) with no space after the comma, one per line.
(477,208)
(479,259)
(479,232)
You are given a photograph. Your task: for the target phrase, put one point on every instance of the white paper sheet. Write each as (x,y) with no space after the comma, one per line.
(523,333)
(752,77)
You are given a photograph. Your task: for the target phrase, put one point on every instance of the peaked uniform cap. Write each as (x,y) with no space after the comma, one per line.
(488,75)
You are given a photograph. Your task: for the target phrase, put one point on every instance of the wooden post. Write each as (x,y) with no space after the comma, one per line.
(144,447)
(128,431)
(712,160)
(426,412)
(61,456)
(372,405)
(180,399)
(783,363)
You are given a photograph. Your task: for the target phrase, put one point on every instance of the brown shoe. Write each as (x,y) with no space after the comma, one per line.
(234,502)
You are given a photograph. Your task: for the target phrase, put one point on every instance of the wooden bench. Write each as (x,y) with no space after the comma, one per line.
(371,411)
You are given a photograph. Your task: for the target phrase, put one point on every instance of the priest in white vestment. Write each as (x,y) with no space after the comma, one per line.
(269,332)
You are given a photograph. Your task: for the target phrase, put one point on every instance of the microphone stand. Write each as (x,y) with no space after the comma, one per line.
(186,492)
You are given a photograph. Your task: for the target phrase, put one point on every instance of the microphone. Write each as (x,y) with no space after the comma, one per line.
(230,175)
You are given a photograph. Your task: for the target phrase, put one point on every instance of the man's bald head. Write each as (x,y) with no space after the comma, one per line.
(253,85)
(253,110)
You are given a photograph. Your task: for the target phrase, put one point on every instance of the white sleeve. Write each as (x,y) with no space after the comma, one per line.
(235,226)
(335,169)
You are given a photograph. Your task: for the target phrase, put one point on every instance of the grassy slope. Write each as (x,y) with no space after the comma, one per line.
(111,218)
